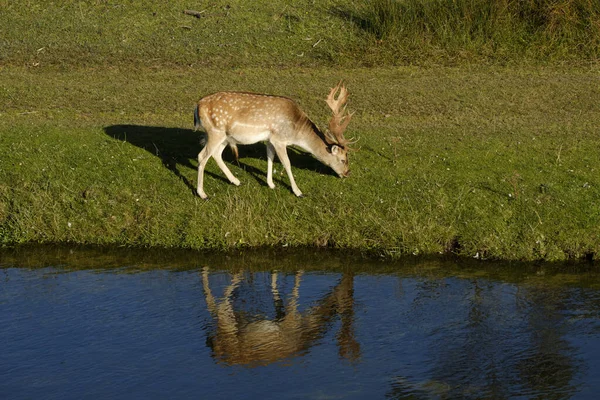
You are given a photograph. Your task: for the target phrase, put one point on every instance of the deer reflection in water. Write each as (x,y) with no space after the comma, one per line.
(240,338)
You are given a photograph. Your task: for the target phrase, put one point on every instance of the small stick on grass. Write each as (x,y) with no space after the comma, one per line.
(194,13)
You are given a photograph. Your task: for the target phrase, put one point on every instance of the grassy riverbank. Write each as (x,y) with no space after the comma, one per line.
(490,162)
(71,258)
(485,156)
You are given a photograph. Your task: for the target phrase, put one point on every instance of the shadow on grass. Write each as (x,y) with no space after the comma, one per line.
(180,147)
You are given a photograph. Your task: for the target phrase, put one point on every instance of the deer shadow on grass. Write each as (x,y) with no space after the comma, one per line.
(180,147)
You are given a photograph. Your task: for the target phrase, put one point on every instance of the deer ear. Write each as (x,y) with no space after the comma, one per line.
(335,149)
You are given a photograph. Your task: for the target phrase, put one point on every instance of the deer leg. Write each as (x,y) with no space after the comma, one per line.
(215,139)
(235,282)
(349,348)
(293,318)
(292,306)
(277,302)
(225,314)
(297,280)
(274,289)
(203,157)
(211,304)
(283,157)
(218,158)
(270,157)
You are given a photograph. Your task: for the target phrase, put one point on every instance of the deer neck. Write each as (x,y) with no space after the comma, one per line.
(312,140)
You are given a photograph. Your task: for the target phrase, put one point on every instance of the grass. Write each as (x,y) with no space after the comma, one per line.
(229,33)
(307,33)
(478,139)
(500,31)
(489,163)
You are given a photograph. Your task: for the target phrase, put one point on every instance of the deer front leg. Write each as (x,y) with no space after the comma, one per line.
(270,157)
(281,151)
(297,280)
(292,306)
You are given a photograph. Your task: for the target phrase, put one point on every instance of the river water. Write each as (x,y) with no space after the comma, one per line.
(126,324)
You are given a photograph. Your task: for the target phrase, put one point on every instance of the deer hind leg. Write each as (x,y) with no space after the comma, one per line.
(226,315)
(211,304)
(270,157)
(283,157)
(218,158)
(214,140)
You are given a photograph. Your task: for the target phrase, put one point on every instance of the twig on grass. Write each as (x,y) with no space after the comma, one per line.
(194,13)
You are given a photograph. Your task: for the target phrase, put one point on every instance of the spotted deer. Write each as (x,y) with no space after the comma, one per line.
(232,118)
(240,338)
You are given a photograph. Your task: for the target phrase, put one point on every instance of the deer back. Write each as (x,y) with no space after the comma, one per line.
(249,118)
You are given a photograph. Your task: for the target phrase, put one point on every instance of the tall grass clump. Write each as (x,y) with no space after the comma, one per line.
(484,29)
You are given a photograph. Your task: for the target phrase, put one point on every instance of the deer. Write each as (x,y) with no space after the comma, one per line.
(232,118)
(253,340)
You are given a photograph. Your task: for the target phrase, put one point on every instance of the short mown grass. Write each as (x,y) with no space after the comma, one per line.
(486,162)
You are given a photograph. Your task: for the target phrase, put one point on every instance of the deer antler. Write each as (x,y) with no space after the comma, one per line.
(340,119)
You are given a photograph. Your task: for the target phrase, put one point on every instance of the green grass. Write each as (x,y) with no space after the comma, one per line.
(230,33)
(484,162)
(500,31)
(305,33)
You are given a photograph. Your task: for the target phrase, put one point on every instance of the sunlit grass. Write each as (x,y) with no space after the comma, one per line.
(487,163)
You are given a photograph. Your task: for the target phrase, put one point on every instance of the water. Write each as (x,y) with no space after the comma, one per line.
(85,323)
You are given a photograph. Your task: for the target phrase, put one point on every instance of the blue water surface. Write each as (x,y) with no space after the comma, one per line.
(153,334)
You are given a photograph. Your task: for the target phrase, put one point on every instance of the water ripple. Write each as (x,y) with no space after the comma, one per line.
(293,334)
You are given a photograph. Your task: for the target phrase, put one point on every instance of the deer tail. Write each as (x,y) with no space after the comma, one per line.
(234,150)
(197,121)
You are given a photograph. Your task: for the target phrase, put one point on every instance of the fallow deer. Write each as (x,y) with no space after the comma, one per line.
(242,339)
(232,118)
